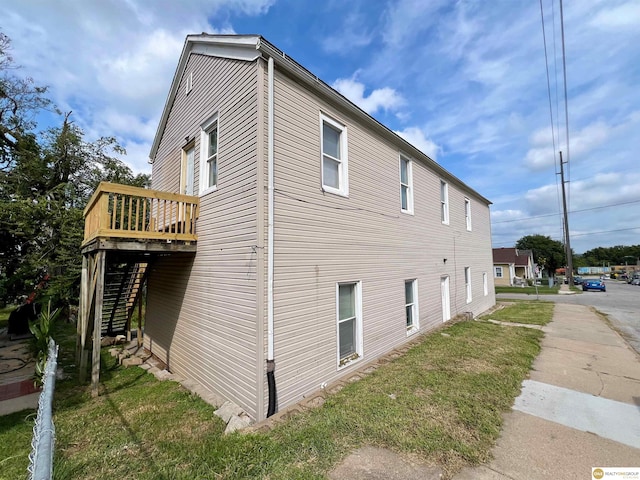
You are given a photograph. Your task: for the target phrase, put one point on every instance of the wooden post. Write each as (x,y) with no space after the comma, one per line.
(82,314)
(139,335)
(97,323)
(89,297)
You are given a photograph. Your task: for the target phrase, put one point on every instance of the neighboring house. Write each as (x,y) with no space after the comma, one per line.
(511,265)
(324,240)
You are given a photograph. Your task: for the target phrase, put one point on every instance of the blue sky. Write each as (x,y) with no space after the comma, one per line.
(465,81)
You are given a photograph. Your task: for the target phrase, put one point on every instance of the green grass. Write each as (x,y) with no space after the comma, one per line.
(542,289)
(442,401)
(528,312)
(4,316)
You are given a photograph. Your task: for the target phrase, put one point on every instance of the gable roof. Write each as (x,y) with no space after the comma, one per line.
(514,256)
(251,47)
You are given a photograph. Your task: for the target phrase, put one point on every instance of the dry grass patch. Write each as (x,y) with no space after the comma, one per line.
(527,312)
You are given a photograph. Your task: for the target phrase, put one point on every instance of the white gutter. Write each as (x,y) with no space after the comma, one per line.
(270,159)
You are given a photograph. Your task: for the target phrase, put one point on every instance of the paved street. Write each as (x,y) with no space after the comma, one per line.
(621,302)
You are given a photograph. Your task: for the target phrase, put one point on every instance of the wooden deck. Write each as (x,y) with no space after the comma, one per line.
(125,229)
(121,213)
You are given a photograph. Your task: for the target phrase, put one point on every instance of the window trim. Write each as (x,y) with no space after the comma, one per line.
(409,185)
(444,202)
(205,129)
(495,272)
(359,354)
(467,284)
(188,83)
(415,307)
(467,213)
(343,170)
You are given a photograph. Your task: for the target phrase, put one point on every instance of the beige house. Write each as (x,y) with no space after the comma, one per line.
(511,265)
(324,240)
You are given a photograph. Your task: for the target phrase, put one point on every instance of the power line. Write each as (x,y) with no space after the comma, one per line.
(579,234)
(546,64)
(605,231)
(566,102)
(573,211)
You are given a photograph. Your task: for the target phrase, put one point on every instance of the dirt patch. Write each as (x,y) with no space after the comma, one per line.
(370,463)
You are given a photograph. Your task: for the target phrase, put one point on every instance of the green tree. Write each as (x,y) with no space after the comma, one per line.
(46,179)
(547,253)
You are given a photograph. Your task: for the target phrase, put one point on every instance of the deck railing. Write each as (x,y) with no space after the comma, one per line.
(123,211)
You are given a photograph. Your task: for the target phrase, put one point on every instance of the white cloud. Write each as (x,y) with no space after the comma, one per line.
(379,99)
(352,35)
(112,62)
(626,15)
(417,138)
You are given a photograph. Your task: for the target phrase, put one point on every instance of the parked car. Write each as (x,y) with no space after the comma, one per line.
(635,281)
(594,284)
(577,280)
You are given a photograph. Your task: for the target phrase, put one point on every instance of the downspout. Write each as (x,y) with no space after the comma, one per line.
(271,364)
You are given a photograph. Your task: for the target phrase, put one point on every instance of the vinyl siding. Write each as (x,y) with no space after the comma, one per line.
(321,239)
(201,313)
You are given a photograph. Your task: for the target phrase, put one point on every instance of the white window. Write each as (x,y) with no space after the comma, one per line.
(186,170)
(335,176)
(498,271)
(444,202)
(467,213)
(485,284)
(349,313)
(209,155)
(188,84)
(467,283)
(411,305)
(406,184)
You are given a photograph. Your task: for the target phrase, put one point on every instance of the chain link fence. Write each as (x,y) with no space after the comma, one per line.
(41,456)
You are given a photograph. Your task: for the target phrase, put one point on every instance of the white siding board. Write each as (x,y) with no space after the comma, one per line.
(202,318)
(321,239)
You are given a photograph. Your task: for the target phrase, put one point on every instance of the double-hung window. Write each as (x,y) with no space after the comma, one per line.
(209,155)
(444,202)
(411,305)
(335,175)
(467,283)
(467,213)
(498,272)
(349,313)
(406,184)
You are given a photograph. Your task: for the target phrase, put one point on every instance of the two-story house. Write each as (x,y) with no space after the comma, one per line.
(324,240)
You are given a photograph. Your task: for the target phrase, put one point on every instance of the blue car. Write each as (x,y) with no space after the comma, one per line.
(594,285)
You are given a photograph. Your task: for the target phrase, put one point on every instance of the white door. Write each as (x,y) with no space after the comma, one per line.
(187,188)
(446,300)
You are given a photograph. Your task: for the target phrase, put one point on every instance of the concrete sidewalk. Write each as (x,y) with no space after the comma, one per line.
(579,409)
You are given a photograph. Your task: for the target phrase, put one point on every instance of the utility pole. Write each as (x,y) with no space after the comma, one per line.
(567,243)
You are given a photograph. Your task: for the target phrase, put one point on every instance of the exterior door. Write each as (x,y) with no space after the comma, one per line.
(446,299)
(186,183)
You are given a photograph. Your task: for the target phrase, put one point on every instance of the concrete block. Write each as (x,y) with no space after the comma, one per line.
(131,361)
(162,375)
(237,422)
(228,410)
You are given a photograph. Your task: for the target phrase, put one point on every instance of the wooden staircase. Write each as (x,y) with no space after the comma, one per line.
(122,288)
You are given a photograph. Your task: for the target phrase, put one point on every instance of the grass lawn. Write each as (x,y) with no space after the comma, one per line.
(441,402)
(542,289)
(4,316)
(529,312)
